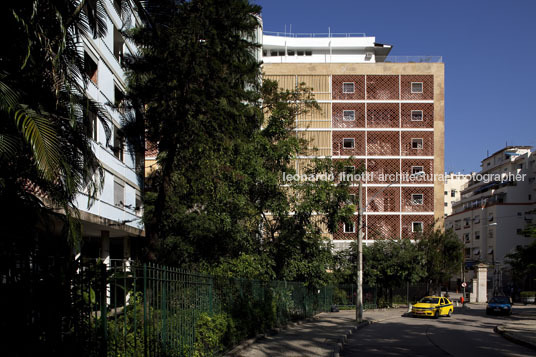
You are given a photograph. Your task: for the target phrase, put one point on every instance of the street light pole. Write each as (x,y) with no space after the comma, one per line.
(359,297)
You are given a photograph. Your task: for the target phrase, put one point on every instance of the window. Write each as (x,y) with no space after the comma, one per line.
(348,115)
(467,252)
(458,224)
(446,193)
(349,228)
(416,143)
(348,143)
(273,53)
(348,87)
(476,251)
(264,53)
(118,45)
(349,169)
(476,220)
(117,6)
(452,193)
(416,115)
(138,204)
(519,231)
(477,235)
(466,222)
(490,233)
(416,169)
(490,217)
(90,68)
(416,87)
(281,52)
(530,197)
(92,125)
(416,226)
(119,193)
(118,144)
(290,52)
(467,237)
(417,198)
(300,53)
(309,53)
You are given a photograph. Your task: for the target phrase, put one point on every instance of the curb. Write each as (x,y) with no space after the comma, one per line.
(501,331)
(247,343)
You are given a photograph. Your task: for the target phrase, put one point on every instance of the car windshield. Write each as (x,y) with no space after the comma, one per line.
(428,300)
(500,300)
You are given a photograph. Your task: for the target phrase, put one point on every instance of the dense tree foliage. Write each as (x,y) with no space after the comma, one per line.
(225,138)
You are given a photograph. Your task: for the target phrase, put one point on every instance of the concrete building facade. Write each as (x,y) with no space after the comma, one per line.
(454,184)
(112,226)
(494,209)
(386,113)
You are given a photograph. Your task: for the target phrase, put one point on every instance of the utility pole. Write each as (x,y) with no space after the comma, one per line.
(359,297)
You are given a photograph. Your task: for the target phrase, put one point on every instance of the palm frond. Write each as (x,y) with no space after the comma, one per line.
(40,133)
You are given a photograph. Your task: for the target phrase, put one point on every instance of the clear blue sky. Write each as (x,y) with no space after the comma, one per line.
(489,50)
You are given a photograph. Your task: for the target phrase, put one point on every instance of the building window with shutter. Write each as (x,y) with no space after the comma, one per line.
(119,193)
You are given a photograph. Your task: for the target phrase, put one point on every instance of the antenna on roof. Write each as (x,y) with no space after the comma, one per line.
(487,153)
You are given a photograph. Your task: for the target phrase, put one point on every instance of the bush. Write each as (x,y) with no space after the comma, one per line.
(211,333)
(528,294)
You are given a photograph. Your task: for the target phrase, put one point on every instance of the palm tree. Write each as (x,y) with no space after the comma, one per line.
(46,156)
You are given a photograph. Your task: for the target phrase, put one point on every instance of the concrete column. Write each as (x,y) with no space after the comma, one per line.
(482,287)
(105,247)
(105,256)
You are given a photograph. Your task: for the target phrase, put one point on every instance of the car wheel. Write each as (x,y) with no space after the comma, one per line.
(436,315)
(449,313)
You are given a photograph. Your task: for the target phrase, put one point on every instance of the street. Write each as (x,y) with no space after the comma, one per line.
(469,332)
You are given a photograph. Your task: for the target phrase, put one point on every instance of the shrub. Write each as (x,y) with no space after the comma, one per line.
(528,294)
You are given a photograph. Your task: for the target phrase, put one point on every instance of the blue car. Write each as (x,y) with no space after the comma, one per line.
(499,305)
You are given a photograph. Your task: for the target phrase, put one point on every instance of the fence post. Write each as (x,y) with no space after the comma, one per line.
(145,309)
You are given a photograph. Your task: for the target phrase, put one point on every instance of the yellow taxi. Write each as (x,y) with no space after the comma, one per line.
(433,306)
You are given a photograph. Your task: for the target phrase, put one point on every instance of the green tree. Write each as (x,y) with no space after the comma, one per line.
(443,255)
(225,139)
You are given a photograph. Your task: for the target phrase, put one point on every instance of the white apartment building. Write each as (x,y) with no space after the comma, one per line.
(494,209)
(454,184)
(112,226)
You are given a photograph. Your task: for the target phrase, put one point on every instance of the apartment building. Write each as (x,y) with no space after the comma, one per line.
(494,209)
(454,184)
(386,113)
(112,226)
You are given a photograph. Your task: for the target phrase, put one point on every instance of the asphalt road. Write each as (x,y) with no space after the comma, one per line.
(468,332)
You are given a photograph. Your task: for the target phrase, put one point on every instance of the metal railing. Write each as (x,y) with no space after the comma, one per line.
(325,34)
(123,308)
(409,59)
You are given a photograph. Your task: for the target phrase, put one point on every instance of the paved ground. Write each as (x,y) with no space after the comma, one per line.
(469,332)
(315,338)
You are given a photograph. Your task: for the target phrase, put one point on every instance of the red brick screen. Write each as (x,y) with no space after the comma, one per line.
(427,117)
(427,87)
(382,87)
(359,143)
(383,143)
(337,115)
(383,227)
(359,87)
(427,141)
(407,220)
(383,170)
(408,205)
(387,200)
(383,115)
(427,164)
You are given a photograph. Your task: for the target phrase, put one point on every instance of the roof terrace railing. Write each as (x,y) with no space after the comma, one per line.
(409,59)
(326,34)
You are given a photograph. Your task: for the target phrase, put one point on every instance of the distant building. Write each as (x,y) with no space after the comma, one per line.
(454,184)
(385,112)
(494,209)
(112,226)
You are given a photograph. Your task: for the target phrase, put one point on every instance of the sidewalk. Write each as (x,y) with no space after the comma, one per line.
(522,329)
(321,336)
